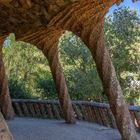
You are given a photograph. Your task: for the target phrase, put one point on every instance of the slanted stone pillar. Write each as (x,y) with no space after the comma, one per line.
(60,83)
(5,101)
(47,41)
(110,83)
(4,130)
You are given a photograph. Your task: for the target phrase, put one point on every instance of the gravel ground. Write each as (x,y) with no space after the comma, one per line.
(40,129)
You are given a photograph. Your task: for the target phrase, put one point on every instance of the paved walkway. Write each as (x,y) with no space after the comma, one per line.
(40,129)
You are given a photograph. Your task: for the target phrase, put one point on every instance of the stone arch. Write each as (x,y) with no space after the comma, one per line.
(91,33)
(68,35)
(47,41)
(93,37)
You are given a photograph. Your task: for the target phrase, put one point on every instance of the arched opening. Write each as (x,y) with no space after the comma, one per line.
(57,76)
(28,71)
(79,69)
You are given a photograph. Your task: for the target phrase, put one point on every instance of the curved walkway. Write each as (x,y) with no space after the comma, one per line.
(41,129)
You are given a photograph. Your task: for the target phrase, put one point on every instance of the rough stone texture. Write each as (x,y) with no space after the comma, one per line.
(26,15)
(5,101)
(43,22)
(46,39)
(4,131)
(38,129)
(112,87)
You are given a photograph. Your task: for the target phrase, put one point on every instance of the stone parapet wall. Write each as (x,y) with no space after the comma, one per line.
(86,111)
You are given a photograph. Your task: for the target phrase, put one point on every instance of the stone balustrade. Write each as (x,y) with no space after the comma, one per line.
(85,111)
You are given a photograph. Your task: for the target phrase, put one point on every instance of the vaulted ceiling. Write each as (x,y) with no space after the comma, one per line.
(22,16)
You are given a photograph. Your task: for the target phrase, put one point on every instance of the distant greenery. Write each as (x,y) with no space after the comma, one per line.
(122,30)
(30,77)
(80,71)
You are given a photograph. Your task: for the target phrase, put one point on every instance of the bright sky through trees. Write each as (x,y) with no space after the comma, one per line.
(128,3)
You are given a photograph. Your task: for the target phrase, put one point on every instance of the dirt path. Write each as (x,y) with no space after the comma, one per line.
(40,129)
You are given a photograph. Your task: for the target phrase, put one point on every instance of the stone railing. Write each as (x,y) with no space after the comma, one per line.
(88,111)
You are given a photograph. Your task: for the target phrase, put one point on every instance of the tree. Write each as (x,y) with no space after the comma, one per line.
(122,30)
(24,65)
(80,72)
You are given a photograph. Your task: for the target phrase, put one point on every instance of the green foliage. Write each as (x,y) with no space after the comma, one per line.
(80,72)
(24,64)
(46,87)
(18,89)
(122,31)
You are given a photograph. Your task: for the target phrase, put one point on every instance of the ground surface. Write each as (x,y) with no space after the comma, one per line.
(39,129)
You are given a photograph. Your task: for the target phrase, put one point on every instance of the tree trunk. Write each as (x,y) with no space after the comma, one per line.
(112,87)
(4,130)
(5,101)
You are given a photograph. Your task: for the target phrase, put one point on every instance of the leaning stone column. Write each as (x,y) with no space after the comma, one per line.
(47,41)
(61,86)
(111,85)
(4,130)
(5,101)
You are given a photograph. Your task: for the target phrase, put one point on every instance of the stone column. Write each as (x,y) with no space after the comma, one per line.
(111,85)
(5,100)
(47,41)
(4,130)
